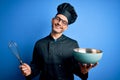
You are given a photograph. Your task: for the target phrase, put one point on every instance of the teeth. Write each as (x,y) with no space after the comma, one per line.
(58,27)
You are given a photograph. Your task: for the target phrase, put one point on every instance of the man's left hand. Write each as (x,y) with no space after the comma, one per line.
(86,67)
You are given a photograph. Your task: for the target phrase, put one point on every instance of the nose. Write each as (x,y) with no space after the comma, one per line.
(60,22)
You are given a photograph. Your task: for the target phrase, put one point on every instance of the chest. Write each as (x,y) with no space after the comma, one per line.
(57,52)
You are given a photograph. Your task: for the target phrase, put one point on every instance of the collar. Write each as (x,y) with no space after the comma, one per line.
(59,39)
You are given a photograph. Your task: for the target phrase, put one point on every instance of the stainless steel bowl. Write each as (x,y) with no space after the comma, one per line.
(87,55)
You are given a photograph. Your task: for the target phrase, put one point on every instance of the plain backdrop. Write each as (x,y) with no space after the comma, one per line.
(26,21)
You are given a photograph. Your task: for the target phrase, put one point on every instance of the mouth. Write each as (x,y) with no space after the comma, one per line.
(57,26)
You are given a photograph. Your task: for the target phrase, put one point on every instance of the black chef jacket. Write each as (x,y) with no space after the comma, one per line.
(53,59)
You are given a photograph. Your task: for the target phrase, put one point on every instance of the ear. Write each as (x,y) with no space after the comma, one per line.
(52,20)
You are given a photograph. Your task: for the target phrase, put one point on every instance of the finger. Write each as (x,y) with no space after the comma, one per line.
(25,73)
(82,65)
(90,65)
(85,65)
(95,64)
(24,69)
(22,65)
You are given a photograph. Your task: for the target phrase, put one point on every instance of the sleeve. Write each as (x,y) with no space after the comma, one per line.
(76,69)
(36,63)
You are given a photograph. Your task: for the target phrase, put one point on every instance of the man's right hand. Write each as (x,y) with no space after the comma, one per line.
(25,69)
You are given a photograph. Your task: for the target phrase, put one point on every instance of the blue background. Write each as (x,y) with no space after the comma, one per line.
(26,21)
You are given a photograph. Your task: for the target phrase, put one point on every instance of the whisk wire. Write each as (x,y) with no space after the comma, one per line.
(14,49)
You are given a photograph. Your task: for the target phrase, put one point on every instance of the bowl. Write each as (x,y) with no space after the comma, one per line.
(87,55)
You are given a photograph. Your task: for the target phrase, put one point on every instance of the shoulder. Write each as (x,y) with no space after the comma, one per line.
(42,41)
(70,39)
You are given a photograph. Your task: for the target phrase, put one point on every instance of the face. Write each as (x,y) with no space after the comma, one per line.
(59,24)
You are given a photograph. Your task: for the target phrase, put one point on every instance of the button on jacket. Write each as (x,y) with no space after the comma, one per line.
(53,59)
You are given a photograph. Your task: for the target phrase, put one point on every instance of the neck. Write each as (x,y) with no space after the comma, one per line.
(56,35)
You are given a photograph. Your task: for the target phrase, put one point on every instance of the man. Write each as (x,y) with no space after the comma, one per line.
(52,55)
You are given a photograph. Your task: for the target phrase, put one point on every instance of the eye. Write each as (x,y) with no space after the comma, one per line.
(57,18)
(64,22)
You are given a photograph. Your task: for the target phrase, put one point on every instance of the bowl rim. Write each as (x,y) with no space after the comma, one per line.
(88,50)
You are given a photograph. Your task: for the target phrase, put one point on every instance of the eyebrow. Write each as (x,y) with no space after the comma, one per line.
(62,19)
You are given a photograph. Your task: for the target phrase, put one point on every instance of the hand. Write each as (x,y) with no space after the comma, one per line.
(25,69)
(86,67)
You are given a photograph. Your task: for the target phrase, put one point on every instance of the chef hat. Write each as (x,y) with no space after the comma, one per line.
(67,10)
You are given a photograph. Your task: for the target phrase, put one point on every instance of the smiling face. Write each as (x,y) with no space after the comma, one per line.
(59,24)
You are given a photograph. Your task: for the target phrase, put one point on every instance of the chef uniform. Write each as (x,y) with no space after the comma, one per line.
(53,59)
